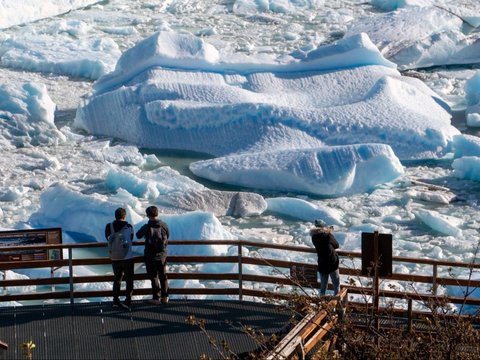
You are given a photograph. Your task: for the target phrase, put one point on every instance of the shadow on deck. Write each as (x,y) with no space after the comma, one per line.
(98,331)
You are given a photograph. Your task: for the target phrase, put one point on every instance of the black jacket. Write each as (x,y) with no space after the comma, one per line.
(325,244)
(144,231)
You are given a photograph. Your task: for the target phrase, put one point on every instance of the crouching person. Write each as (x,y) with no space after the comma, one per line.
(156,234)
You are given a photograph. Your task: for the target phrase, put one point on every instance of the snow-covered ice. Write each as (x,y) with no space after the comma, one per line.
(329,171)
(440,38)
(335,95)
(28,10)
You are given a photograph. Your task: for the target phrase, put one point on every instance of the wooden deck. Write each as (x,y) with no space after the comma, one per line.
(98,331)
(79,330)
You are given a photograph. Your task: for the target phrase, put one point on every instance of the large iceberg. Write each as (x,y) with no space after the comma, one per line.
(171,91)
(175,91)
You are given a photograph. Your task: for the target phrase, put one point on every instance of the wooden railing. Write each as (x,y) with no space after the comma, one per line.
(308,332)
(301,338)
(66,287)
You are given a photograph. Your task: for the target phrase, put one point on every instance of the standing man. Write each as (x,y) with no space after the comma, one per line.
(119,234)
(156,234)
(328,261)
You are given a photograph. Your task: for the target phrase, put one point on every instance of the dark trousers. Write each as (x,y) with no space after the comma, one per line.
(157,273)
(122,269)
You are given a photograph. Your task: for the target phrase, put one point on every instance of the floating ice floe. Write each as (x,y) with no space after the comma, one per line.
(87,215)
(467,167)
(10,275)
(444,35)
(439,197)
(323,171)
(27,114)
(248,7)
(61,54)
(466,145)
(428,192)
(447,225)
(472,97)
(221,203)
(104,151)
(14,13)
(391,5)
(149,184)
(467,10)
(305,210)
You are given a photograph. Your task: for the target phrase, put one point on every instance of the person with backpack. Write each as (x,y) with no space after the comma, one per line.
(328,261)
(156,235)
(119,235)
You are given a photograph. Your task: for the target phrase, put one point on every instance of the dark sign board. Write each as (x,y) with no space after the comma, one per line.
(383,253)
(30,237)
(304,275)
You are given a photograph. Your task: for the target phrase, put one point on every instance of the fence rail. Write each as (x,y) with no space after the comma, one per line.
(66,287)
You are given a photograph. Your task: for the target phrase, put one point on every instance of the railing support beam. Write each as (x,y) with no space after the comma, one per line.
(240,271)
(70,274)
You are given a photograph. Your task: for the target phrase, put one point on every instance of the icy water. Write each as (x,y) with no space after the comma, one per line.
(27,172)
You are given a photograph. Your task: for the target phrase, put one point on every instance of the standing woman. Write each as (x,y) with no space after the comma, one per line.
(328,261)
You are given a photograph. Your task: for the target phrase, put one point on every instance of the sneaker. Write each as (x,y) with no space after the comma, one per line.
(125,306)
(154,301)
(164,300)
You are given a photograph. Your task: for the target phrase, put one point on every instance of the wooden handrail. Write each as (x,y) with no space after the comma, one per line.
(241,277)
(346,254)
(233,259)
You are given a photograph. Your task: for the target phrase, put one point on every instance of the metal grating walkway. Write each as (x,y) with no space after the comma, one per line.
(98,331)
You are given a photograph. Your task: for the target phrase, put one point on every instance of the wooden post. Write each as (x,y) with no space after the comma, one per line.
(376,301)
(51,276)
(240,281)
(434,280)
(70,273)
(410,315)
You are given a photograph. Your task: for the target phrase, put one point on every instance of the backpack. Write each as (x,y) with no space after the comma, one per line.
(157,239)
(118,243)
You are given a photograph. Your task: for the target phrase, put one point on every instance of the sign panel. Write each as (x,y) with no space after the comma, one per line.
(383,255)
(30,237)
(304,275)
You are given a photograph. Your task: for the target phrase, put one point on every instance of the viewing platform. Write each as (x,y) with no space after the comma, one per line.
(69,314)
(98,331)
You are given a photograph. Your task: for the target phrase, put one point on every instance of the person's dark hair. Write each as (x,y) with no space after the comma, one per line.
(152,211)
(120,213)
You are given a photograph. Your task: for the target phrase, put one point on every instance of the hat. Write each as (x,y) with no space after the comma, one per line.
(320,223)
